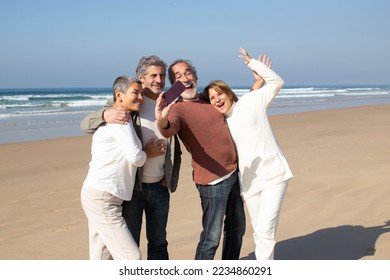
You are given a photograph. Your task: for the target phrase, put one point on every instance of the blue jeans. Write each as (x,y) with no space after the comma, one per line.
(154,201)
(222,207)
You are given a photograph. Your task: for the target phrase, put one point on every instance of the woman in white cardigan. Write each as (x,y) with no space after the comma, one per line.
(264,171)
(116,154)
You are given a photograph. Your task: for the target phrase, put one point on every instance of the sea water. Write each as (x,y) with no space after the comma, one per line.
(36,114)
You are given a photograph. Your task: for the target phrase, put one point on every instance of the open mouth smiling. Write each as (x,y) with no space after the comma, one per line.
(220,104)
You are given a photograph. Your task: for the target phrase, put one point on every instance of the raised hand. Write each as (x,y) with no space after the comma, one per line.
(245,55)
(259,81)
(161,111)
(266,60)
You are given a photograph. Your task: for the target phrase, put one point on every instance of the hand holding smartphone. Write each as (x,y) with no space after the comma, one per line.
(174,92)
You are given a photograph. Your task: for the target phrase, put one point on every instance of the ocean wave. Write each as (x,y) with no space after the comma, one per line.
(305,95)
(87,103)
(364,93)
(52,97)
(14,98)
(322,92)
(46,102)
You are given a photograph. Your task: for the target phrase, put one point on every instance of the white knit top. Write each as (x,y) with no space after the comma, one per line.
(261,161)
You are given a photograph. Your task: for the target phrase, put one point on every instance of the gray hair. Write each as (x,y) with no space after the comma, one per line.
(171,75)
(147,61)
(122,84)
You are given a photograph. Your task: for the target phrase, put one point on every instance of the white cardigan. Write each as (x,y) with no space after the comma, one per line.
(261,161)
(116,154)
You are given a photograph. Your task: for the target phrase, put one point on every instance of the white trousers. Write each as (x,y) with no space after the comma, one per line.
(109,236)
(264,210)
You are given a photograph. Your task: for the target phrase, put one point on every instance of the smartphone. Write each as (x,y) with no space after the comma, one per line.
(174,92)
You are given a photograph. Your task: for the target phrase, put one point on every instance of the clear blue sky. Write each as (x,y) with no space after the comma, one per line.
(88,43)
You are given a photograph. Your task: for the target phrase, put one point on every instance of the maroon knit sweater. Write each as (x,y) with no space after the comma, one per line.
(205,134)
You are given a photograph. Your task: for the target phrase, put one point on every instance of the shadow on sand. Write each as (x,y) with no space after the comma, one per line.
(338,243)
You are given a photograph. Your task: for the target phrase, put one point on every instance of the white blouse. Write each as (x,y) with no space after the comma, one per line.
(116,154)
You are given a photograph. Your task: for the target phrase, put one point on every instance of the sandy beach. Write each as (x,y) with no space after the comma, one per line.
(337,205)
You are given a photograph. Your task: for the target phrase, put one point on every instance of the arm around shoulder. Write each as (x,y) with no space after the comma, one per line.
(92,121)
